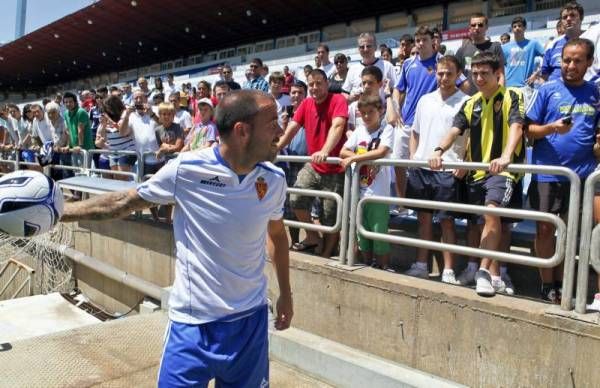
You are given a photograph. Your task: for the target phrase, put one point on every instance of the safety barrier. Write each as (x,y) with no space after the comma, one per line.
(90,169)
(349,215)
(342,202)
(20,267)
(587,254)
(570,236)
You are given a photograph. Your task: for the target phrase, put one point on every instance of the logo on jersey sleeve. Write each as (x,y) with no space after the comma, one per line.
(261,187)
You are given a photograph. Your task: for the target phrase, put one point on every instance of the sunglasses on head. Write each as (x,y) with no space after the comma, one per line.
(480,25)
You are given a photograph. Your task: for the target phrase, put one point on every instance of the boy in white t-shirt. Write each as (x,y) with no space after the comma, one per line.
(371,141)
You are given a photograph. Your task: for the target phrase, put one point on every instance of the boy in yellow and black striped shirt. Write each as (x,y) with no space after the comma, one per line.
(494,120)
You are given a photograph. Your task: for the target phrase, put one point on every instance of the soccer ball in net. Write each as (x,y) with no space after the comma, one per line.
(30,203)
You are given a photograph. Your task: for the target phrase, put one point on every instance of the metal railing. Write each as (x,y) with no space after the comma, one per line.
(20,267)
(342,202)
(88,163)
(587,255)
(572,220)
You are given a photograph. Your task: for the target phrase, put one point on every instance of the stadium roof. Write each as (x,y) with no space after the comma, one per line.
(115,35)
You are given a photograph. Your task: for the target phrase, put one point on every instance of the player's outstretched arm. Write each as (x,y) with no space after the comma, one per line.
(106,206)
(277,246)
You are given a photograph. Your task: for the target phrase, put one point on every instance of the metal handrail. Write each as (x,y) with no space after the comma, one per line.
(572,219)
(341,222)
(585,249)
(469,251)
(321,194)
(136,177)
(20,267)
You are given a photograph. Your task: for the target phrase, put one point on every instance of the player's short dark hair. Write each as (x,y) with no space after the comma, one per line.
(447,59)
(70,95)
(374,71)
(486,58)
(588,44)
(408,38)
(572,6)
(237,106)
(276,76)
(519,19)
(480,15)
(220,83)
(257,61)
(369,101)
(424,30)
(323,46)
(320,72)
(300,84)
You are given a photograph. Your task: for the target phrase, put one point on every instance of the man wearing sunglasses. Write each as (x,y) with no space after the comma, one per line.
(367,45)
(478,43)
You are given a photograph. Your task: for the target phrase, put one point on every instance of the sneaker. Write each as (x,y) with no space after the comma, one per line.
(509,288)
(483,284)
(467,277)
(448,277)
(499,286)
(417,272)
(595,306)
(550,295)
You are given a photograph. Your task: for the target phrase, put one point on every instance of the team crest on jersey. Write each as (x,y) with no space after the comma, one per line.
(261,187)
(497,106)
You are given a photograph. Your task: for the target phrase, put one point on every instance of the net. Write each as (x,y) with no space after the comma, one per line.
(53,271)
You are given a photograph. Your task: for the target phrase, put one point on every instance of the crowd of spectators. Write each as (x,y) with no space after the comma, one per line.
(489,102)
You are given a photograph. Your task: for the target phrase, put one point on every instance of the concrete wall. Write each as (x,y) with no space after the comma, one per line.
(144,249)
(445,330)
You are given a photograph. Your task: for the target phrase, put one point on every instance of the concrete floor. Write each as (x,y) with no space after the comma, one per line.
(120,353)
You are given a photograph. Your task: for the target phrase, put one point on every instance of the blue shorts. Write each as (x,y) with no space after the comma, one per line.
(234,353)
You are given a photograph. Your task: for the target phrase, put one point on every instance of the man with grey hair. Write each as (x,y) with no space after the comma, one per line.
(367,44)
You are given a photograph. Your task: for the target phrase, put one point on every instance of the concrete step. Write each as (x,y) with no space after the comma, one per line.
(344,366)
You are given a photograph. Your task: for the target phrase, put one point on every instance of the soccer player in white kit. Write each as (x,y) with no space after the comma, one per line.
(229,207)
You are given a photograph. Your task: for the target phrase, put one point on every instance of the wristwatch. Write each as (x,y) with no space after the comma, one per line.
(438,149)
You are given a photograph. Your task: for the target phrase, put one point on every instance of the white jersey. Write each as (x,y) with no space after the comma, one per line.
(329,69)
(593,72)
(432,128)
(143,128)
(220,229)
(184,119)
(373,180)
(353,82)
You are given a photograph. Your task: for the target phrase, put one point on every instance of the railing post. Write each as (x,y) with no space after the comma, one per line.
(571,248)
(354,198)
(586,241)
(344,237)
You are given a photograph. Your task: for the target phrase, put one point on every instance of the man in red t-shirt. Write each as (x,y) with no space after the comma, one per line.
(323,116)
(288,80)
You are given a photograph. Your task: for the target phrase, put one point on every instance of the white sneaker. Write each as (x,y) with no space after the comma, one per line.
(483,284)
(467,277)
(509,288)
(499,286)
(417,272)
(595,306)
(448,277)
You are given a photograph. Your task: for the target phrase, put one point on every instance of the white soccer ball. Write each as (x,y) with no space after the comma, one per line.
(30,203)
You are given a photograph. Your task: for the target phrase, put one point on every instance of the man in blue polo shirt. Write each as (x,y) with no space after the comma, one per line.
(229,207)
(416,79)
(571,15)
(520,55)
(564,121)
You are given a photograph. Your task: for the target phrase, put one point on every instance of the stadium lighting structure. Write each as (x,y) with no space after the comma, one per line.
(134,3)
(89,21)
(56,35)
(187,29)
(203,36)
(264,21)
(248,12)
(29,47)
